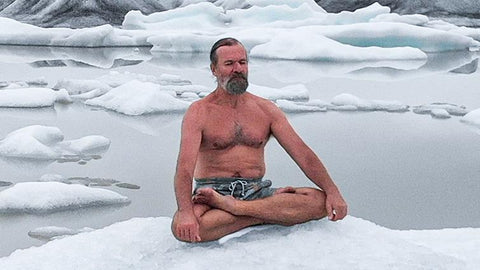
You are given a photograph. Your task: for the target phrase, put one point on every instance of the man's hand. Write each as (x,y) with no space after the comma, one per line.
(336,206)
(186,227)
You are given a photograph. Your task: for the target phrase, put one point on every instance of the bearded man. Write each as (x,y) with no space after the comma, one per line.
(222,149)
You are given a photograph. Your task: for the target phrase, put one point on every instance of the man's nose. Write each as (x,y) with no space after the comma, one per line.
(237,67)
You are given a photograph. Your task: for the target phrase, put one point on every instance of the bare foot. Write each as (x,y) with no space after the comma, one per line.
(285,190)
(212,198)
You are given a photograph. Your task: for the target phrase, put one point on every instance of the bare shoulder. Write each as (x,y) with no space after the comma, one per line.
(268,107)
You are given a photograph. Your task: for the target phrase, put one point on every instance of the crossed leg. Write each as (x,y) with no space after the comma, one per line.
(220,215)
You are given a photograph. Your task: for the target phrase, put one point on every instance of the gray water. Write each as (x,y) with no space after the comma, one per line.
(399,170)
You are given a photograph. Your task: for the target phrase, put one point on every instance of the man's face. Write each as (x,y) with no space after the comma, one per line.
(231,69)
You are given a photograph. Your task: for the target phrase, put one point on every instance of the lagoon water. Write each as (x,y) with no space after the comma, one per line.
(399,170)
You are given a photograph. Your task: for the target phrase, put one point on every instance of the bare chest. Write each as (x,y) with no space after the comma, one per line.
(229,130)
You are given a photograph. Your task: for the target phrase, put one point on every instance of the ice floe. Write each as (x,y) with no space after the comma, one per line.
(350,102)
(47,197)
(472,118)
(441,110)
(147,243)
(49,233)
(32,97)
(47,143)
(136,98)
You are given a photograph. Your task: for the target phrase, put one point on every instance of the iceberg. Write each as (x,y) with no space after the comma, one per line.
(32,97)
(354,243)
(48,197)
(47,143)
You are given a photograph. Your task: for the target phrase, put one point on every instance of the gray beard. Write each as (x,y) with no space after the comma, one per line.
(237,85)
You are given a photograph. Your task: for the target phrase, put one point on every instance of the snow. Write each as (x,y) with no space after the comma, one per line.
(47,143)
(136,98)
(351,102)
(47,197)
(147,243)
(31,97)
(53,232)
(472,118)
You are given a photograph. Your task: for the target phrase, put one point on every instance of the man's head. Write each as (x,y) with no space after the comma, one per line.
(229,64)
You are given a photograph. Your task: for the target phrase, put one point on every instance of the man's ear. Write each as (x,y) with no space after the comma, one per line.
(212,68)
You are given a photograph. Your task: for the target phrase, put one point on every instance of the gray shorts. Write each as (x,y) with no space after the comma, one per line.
(240,188)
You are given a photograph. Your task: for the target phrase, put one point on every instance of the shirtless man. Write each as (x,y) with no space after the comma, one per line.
(222,147)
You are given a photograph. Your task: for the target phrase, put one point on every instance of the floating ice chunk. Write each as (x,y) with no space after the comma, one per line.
(115,78)
(435,109)
(292,46)
(415,19)
(76,86)
(46,197)
(88,145)
(32,97)
(360,15)
(352,103)
(53,232)
(292,106)
(32,142)
(137,98)
(290,92)
(189,96)
(390,35)
(472,118)
(46,143)
(353,244)
(52,178)
(440,113)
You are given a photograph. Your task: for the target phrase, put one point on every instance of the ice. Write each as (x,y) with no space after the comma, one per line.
(78,86)
(292,46)
(147,243)
(47,197)
(296,107)
(290,92)
(137,98)
(472,118)
(194,27)
(47,143)
(32,97)
(354,103)
(49,233)
(441,110)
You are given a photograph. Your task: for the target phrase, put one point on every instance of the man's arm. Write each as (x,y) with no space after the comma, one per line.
(308,162)
(186,226)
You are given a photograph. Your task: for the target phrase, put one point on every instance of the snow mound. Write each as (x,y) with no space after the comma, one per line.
(147,243)
(32,97)
(47,197)
(137,98)
(472,118)
(46,143)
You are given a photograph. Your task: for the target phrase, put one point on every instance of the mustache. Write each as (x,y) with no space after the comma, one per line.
(239,75)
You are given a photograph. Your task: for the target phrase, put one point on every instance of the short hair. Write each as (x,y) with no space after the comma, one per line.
(229,41)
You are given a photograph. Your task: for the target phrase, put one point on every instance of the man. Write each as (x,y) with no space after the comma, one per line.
(222,148)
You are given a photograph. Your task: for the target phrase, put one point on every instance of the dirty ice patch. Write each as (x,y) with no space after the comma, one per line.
(441,110)
(49,233)
(47,143)
(32,97)
(348,102)
(47,197)
(292,46)
(138,98)
(147,243)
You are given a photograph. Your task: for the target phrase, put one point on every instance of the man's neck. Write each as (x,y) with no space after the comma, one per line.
(223,97)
